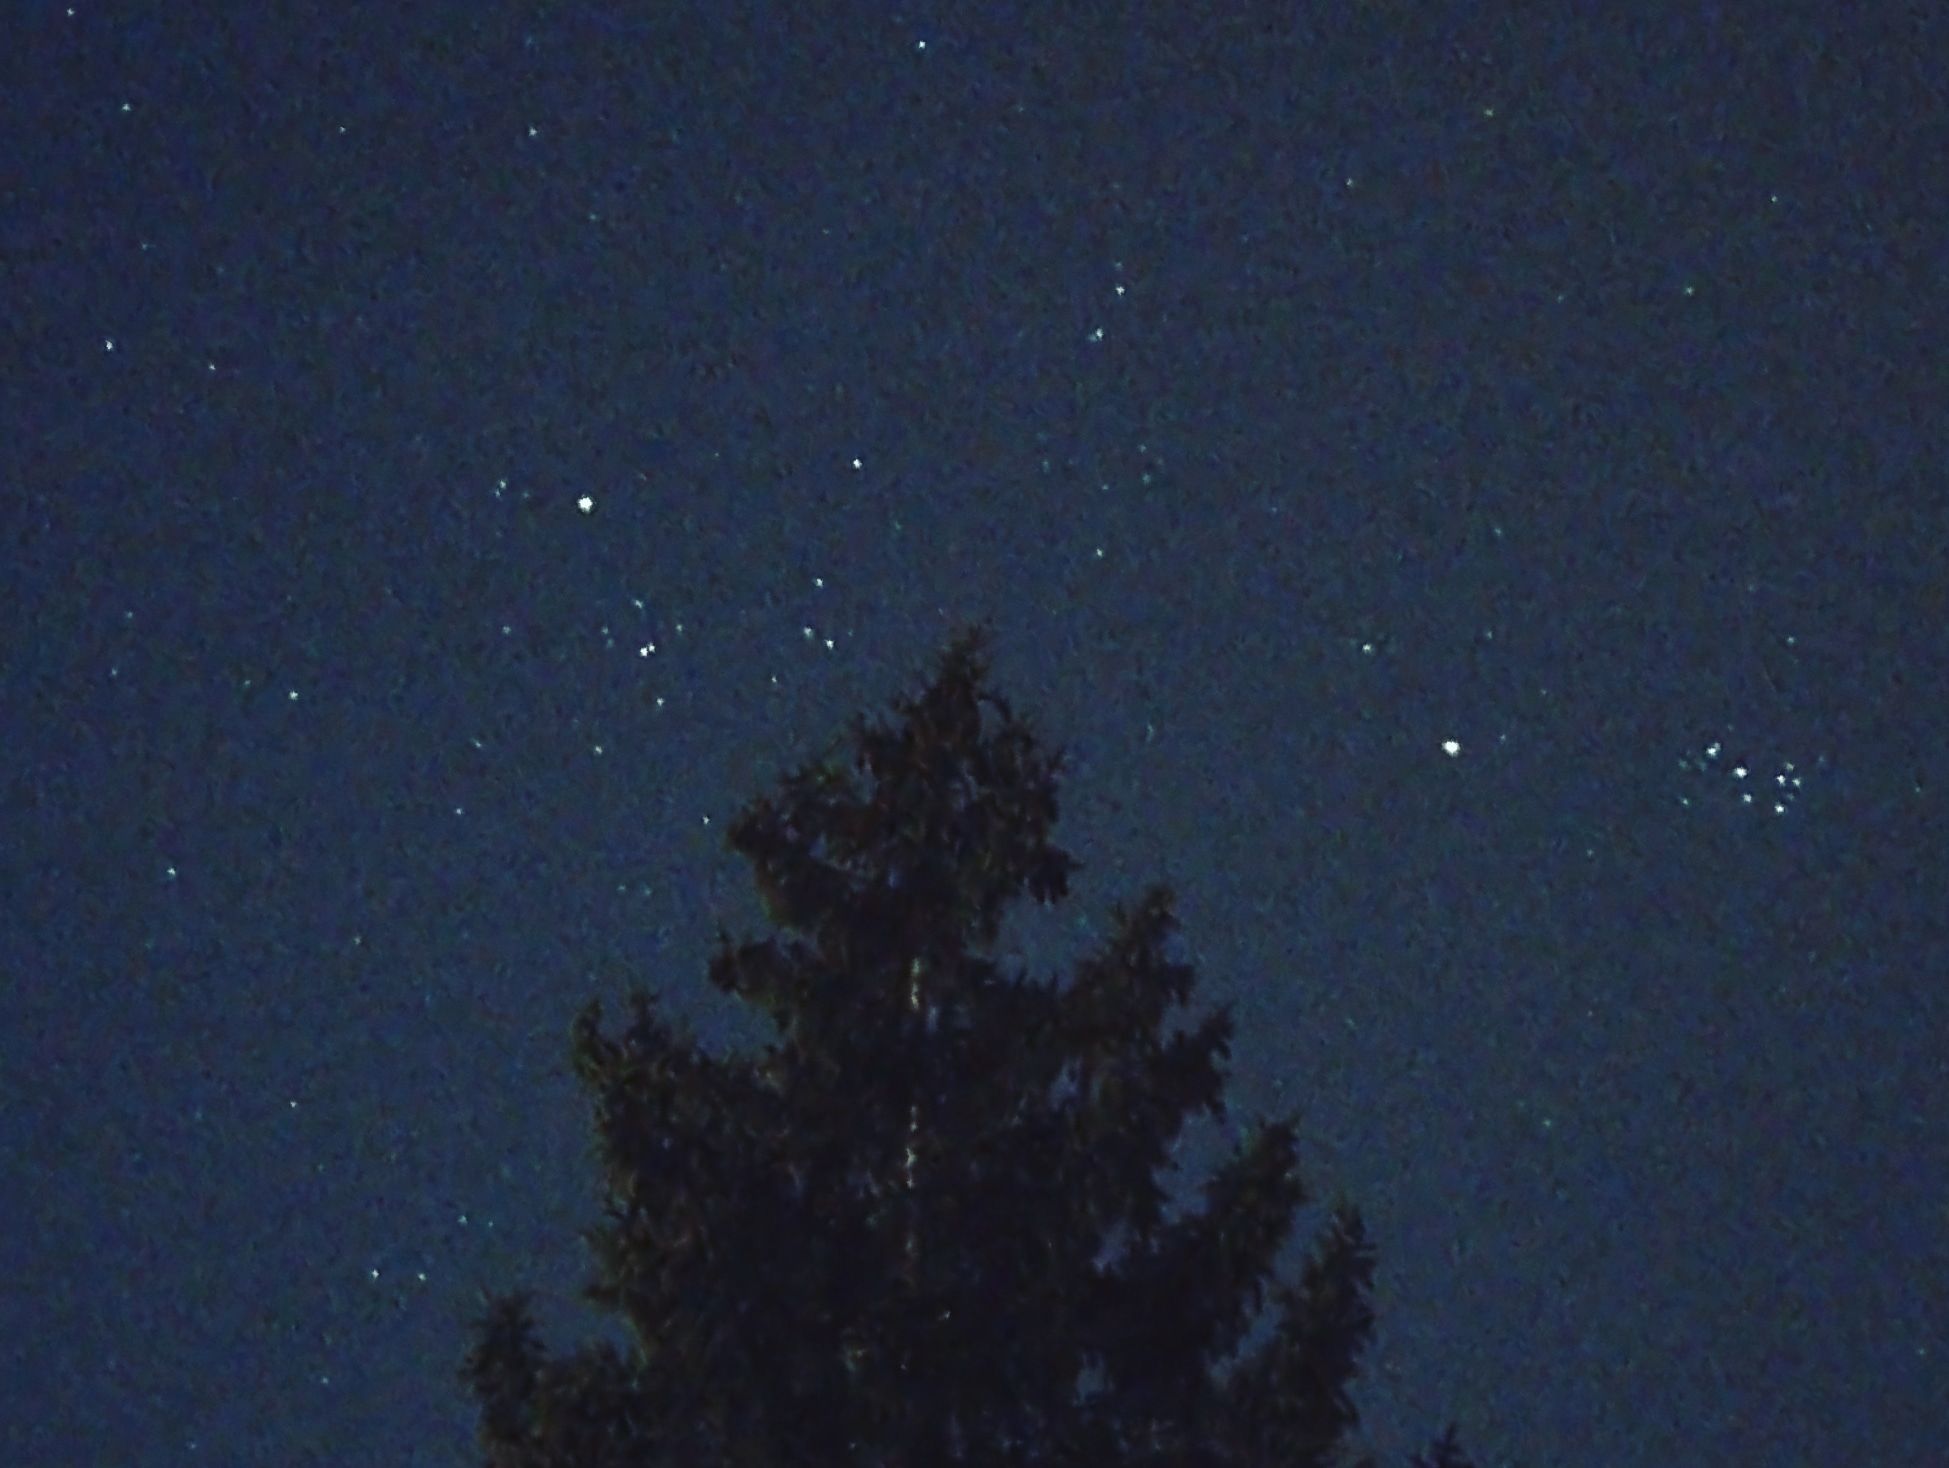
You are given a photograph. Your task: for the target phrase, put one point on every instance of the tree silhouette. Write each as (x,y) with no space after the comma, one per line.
(924,1225)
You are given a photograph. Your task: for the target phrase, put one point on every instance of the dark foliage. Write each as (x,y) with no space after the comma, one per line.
(924,1226)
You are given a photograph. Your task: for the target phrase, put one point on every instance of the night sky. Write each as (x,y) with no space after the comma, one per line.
(1466,490)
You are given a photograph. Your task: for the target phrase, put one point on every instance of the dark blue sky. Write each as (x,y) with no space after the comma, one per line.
(453,456)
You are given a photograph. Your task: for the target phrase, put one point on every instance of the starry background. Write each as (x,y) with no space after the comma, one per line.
(1465,488)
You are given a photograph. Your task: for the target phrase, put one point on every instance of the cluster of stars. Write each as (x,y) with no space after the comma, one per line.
(1772,789)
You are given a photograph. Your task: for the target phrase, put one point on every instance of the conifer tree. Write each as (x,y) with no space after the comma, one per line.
(924,1226)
